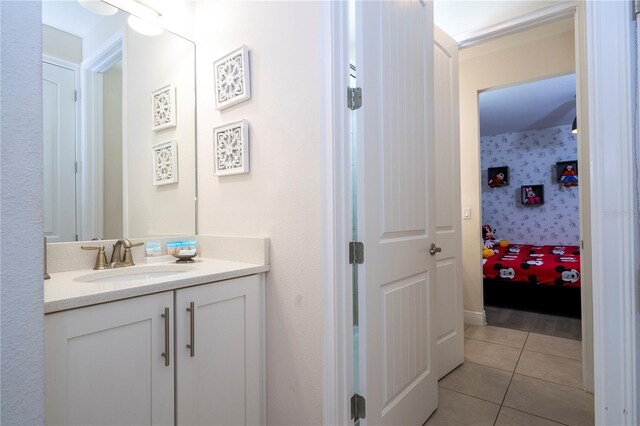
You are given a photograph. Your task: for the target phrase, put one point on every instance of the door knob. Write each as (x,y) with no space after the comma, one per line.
(433,250)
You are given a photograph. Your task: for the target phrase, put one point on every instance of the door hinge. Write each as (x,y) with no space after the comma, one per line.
(358,407)
(356,253)
(354,97)
(76,167)
(75,96)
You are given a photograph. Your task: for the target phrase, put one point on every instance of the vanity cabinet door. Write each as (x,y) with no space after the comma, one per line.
(104,364)
(219,372)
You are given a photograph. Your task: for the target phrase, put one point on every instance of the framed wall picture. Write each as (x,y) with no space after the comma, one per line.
(567,173)
(232,78)
(532,194)
(498,176)
(163,108)
(231,149)
(165,163)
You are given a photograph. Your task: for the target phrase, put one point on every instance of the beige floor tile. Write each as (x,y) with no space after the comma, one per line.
(491,354)
(457,409)
(560,403)
(476,380)
(552,368)
(502,336)
(510,417)
(554,346)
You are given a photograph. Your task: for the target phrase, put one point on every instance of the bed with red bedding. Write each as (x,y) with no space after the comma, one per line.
(544,265)
(539,278)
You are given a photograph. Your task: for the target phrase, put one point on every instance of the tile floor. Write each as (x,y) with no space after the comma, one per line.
(512,377)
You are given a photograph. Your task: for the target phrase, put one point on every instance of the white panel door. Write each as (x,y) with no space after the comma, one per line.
(394,48)
(449,316)
(218,375)
(59,117)
(104,364)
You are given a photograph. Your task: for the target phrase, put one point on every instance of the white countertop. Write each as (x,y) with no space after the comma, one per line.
(63,291)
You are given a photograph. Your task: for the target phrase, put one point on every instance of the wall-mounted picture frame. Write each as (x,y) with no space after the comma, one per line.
(532,195)
(498,176)
(567,173)
(163,108)
(231,149)
(232,78)
(165,163)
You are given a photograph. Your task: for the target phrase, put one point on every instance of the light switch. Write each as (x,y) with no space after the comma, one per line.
(466,213)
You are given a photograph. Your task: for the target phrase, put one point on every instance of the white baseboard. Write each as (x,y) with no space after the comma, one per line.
(475,318)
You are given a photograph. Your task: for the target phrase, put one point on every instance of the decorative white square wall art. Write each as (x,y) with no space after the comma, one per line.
(232,78)
(165,163)
(163,108)
(231,149)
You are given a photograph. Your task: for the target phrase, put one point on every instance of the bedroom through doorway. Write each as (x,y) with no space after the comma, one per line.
(531,207)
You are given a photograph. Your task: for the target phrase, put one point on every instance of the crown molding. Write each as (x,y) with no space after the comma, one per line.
(541,16)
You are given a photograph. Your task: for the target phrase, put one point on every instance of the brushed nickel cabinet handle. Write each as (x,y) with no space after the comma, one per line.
(165,354)
(192,327)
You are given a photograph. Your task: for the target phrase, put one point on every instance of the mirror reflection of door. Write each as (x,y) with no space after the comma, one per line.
(60,147)
(59,116)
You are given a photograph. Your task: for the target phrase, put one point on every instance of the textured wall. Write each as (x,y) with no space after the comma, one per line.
(541,52)
(21,215)
(280,198)
(531,157)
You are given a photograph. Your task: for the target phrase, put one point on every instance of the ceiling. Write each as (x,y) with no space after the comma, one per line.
(69,16)
(458,17)
(535,105)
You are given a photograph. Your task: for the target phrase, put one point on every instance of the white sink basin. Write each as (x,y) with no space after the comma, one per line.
(132,273)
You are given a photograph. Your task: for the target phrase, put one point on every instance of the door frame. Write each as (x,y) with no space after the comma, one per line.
(92,143)
(604,34)
(78,129)
(337,339)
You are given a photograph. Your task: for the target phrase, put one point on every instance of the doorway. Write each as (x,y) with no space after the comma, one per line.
(592,142)
(530,207)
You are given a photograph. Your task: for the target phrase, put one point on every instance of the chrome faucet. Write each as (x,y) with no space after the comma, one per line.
(120,259)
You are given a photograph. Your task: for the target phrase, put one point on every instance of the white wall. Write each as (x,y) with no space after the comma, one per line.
(530,55)
(280,198)
(103,34)
(61,45)
(21,215)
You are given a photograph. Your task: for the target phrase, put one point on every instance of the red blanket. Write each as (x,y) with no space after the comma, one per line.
(546,265)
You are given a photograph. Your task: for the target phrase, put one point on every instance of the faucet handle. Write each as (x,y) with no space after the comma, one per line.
(100,247)
(128,256)
(101,258)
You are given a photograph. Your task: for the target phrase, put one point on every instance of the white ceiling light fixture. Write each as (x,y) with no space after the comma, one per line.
(143,26)
(143,18)
(98,7)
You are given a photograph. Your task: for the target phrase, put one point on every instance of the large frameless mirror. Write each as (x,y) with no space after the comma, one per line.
(119,125)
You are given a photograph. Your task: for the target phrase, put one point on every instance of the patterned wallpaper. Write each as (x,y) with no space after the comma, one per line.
(531,157)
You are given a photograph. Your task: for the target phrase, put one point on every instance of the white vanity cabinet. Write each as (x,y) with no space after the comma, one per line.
(105,363)
(219,380)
